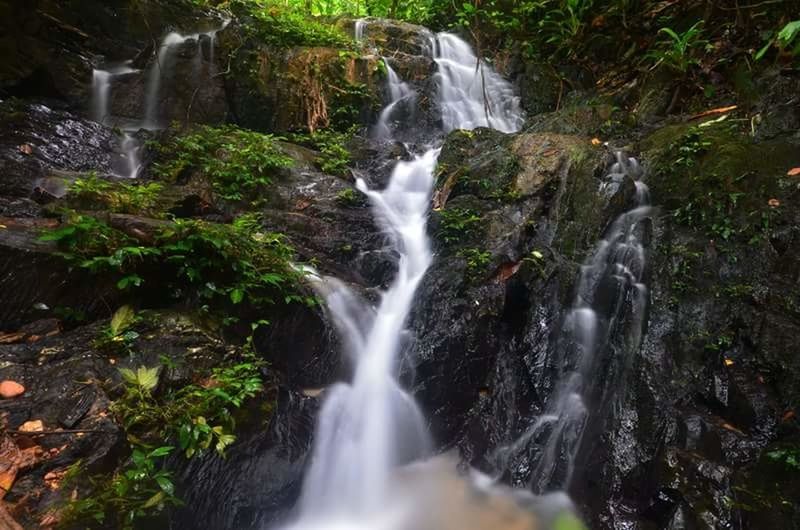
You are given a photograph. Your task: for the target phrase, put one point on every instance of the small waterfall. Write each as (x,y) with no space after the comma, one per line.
(101,90)
(163,65)
(360,27)
(369,426)
(401,97)
(610,301)
(472,94)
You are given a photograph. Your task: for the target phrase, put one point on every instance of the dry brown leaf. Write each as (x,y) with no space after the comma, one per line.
(795,171)
(773,203)
(507,270)
(788,415)
(26,148)
(596,141)
(32,426)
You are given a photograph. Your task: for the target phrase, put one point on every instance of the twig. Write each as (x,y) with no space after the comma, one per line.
(65,431)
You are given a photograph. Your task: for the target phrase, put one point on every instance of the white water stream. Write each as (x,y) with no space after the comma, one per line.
(370,425)
(129,164)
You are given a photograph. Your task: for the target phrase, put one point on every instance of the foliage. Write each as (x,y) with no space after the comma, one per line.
(349,197)
(142,489)
(334,158)
(84,235)
(789,457)
(278,24)
(238,262)
(219,264)
(239,163)
(199,417)
(784,40)
(119,336)
(93,193)
(675,50)
(477,262)
(457,224)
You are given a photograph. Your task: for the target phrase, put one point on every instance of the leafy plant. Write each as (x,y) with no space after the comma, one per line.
(477,262)
(457,224)
(119,337)
(349,197)
(676,49)
(92,192)
(784,40)
(239,163)
(143,488)
(277,24)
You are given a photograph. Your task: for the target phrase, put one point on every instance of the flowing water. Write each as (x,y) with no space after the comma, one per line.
(370,425)
(610,302)
(128,163)
(402,99)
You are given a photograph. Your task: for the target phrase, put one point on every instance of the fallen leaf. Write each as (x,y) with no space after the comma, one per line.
(773,203)
(788,415)
(596,141)
(26,148)
(793,172)
(729,427)
(32,426)
(728,362)
(507,270)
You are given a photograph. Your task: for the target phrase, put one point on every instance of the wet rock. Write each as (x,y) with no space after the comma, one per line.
(260,476)
(394,35)
(40,146)
(33,275)
(11,389)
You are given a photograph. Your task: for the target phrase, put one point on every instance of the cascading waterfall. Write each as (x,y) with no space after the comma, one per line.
(471,93)
(129,163)
(369,426)
(610,290)
(163,65)
(101,89)
(400,94)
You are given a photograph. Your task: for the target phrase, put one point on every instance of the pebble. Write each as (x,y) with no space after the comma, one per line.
(11,389)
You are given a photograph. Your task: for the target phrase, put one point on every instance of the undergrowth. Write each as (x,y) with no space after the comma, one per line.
(239,163)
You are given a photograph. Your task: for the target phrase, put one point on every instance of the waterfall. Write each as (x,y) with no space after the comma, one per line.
(370,425)
(163,64)
(472,94)
(360,27)
(400,94)
(609,288)
(101,90)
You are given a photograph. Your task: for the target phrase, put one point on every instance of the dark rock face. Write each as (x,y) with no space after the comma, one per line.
(39,144)
(261,475)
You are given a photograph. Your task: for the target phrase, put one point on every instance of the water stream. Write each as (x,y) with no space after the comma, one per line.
(602,330)
(370,425)
(128,163)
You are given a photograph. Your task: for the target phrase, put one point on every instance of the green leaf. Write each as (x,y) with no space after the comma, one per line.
(161,451)
(789,32)
(166,485)
(763,50)
(237,295)
(156,499)
(123,318)
(147,378)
